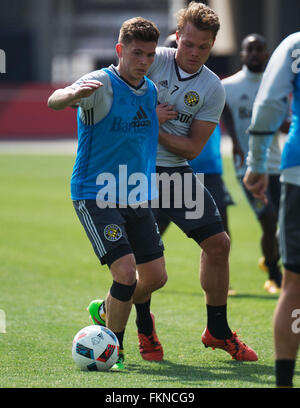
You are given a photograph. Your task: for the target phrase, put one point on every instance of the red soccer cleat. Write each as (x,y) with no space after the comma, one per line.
(149,346)
(234,346)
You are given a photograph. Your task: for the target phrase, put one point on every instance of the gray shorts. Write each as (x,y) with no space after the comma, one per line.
(289,227)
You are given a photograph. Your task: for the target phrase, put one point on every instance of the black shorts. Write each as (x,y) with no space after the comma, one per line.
(198,222)
(273,194)
(217,188)
(289,227)
(115,232)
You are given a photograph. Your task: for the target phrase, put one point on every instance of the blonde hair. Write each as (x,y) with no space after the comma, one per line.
(138,28)
(200,15)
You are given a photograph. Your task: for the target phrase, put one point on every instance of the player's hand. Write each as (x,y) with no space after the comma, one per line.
(257,184)
(165,112)
(87,88)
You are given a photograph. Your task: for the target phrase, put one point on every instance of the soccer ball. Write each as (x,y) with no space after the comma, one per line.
(95,348)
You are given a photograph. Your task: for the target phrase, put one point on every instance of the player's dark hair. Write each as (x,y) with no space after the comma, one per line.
(253,37)
(138,28)
(200,15)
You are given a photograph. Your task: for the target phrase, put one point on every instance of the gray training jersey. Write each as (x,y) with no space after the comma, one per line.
(241,89)
(199,96)
(95,107)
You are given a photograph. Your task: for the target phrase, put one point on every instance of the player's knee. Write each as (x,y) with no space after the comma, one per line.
(162,279)
(124,272)
(219,247)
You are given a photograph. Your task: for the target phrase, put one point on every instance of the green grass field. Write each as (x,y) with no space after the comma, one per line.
(49,273)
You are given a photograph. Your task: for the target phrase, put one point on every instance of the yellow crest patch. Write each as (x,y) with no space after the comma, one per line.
(191,98)
(112,232)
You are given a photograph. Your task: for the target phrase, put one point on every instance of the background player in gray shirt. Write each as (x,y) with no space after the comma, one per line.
(241,89)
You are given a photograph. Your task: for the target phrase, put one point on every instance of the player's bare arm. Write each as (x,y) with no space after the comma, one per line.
(229,124)
(188,147)
(61,98)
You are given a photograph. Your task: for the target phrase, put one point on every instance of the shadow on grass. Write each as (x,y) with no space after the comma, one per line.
(200,293)
(254,296)
(226,373)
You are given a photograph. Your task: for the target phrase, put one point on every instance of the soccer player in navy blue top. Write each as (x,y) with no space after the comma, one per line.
(111,180)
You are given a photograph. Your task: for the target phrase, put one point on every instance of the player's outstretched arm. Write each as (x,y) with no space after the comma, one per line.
(61,98)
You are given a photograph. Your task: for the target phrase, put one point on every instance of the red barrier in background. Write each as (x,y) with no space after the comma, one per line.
(24,113)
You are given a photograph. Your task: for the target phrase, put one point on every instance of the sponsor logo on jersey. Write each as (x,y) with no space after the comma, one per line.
(163,83)
(112,232)
(139,123)
(184,118)
(191,98)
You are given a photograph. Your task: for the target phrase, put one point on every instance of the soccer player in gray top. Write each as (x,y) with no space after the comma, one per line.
(187,86)
(241,89)
(191,99)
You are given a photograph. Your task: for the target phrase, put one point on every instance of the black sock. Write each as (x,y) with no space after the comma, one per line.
(143,318)
(120,337)
(217,322)
(274,272)
(284,371)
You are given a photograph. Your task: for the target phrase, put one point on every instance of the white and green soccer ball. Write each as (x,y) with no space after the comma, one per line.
(95,348)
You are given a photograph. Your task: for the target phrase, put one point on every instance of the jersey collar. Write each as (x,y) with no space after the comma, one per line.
(255,76)
(128,83)
(188,77)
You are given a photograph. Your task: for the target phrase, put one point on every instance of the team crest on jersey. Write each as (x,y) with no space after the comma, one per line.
(191,98)
(112,232)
